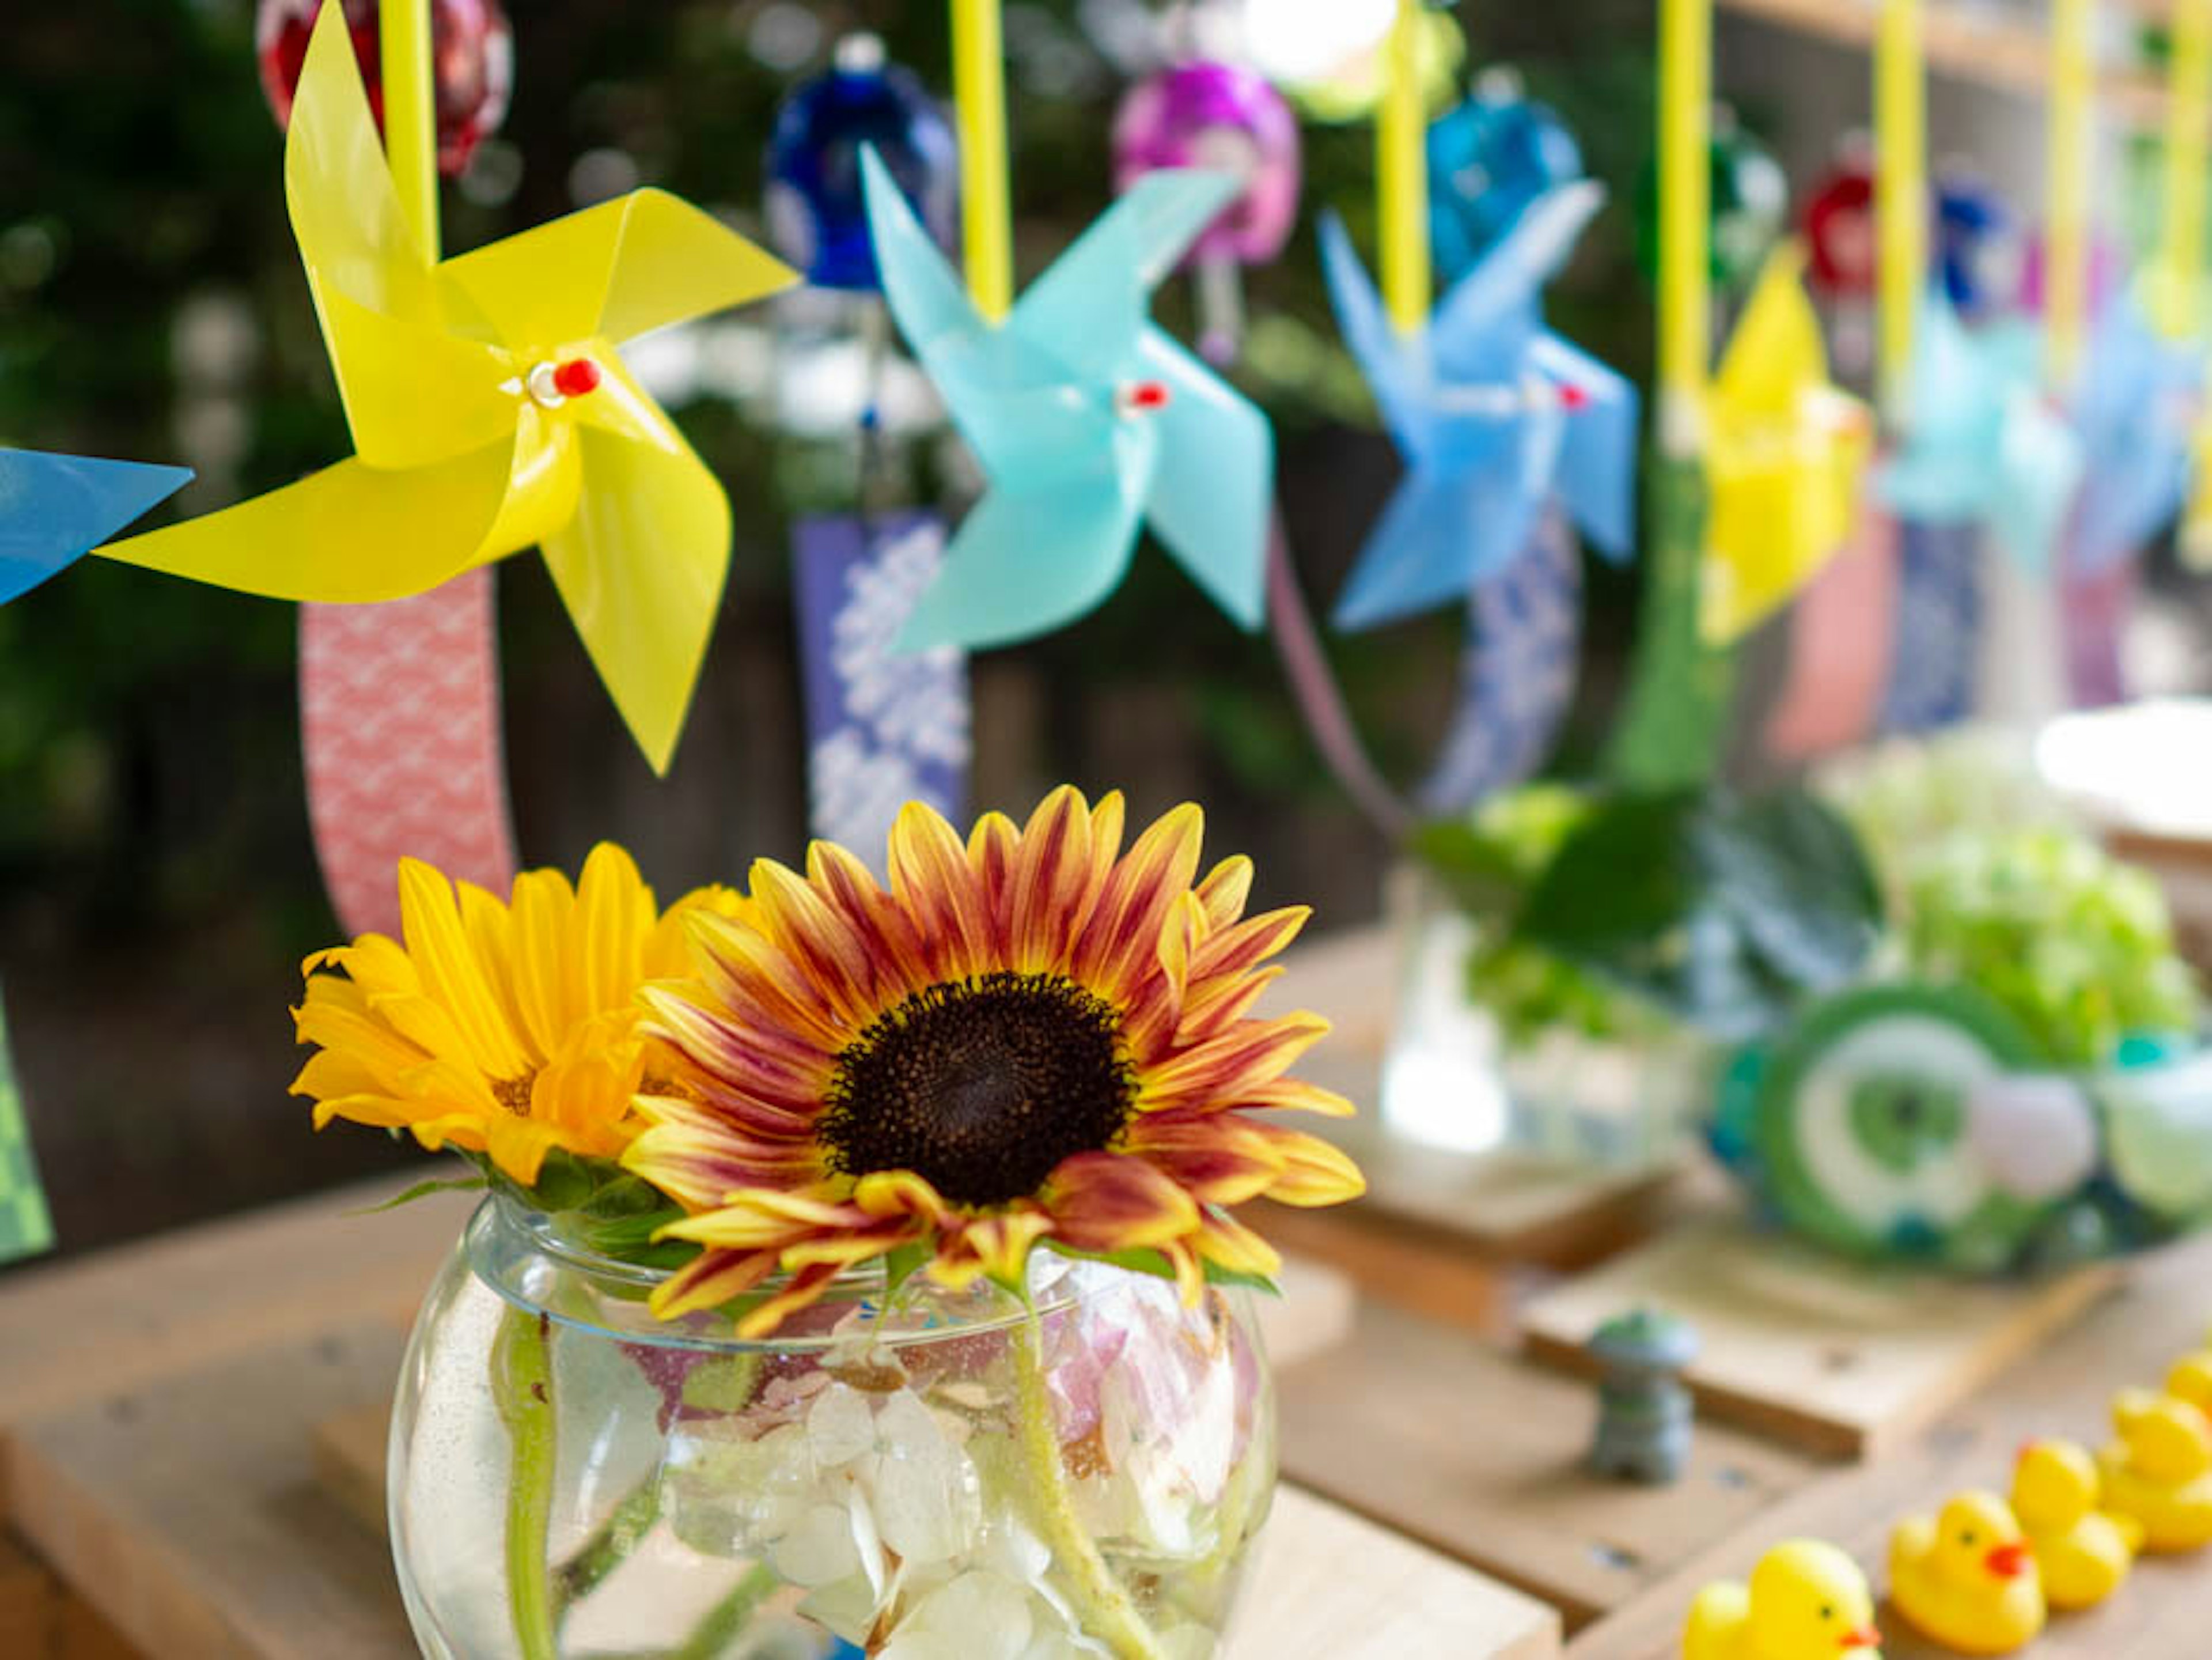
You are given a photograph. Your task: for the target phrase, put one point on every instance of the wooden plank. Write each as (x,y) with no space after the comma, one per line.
(41,1618)
(185,1507)
(119,1317)
(2062,1388)
(1969,42)
(1841,1359)
(1478,1455)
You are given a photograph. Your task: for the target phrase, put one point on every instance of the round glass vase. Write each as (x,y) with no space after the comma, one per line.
(921,1475)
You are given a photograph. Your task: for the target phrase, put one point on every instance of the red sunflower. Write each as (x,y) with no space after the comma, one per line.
(1032,1037)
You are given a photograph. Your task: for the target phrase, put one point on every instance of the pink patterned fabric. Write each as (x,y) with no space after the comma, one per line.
(399,716)
(1841,637)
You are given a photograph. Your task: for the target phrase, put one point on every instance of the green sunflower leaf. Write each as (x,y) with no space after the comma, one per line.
(424,1190)
(902,1261)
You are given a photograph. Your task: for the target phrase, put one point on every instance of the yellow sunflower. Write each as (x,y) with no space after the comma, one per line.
(1026,1038)
(508,1029)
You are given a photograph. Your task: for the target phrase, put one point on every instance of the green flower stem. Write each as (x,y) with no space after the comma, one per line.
(724,1622)
(611,1546)
(1103,1606)
(522,1383)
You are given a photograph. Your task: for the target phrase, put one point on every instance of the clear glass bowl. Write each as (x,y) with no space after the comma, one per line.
(927,1476)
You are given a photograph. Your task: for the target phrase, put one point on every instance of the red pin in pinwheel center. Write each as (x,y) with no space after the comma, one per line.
(1143,397)
(552,385)
(1572,396)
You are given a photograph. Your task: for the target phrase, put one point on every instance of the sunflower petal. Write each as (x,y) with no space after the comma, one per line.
(1107,1202)
(1217,1157)
(709,1280)
(430,918)
(1224,1069)
(1225,890)
(1054,883)
(997,1246)
(1121,945)
(1315,1172)
(804,1290)
(1228,1243)
(937,886)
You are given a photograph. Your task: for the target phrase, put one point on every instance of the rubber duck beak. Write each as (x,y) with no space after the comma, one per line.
(2007,1561)
(1865,1637)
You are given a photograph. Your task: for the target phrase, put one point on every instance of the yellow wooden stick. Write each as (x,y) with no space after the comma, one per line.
(410,114)
(2066,234)
(1901,120)
(2178,287)
(1402,175)
(979,91)
(1686,52)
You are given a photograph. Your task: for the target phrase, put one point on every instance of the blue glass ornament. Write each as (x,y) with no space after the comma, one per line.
(1976,245)
(1488,160)
(817,215)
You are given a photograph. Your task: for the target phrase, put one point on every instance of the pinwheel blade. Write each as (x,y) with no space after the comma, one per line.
(1597,452)
(1088,309)
(2038,466)
(1446,530)
(1029,559)
(638,263)
(1386,361)
(641,561)
(932,310)
(348,534)
(419,379)
(2137,405)
(55,508)
(1776,349)
(1487,320)
(1212,484)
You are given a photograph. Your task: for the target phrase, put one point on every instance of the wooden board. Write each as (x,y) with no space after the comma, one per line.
(1326,1583)
(2161,1311)
(40,1619)
(1479,1454)
(1841,1359)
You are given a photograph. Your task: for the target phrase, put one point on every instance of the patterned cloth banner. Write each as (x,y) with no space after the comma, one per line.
(399,717)
(2093,609)
(1843,635)
(26,1226)
(1517,678)
(883,727)
(1938,634)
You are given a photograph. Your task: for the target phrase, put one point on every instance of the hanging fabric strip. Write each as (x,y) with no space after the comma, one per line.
(400,718)
(883,727)
(1843,633)
(1517,678)
(2092,612)
(26,1227)
(1517,682)
(1939,625)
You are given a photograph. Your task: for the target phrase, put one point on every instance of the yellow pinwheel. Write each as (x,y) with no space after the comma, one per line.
(1784,453)
(490,412)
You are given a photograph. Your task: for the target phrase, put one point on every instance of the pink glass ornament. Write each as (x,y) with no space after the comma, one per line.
(1227,119)
(472,56)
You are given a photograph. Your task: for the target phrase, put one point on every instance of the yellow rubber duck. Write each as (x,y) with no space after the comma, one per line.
(2159,1471)
(2191,1380)
(1806,1601)
(1967,1577)
(2084,1552)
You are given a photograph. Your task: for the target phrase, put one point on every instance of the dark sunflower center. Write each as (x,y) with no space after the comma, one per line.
(980,1087)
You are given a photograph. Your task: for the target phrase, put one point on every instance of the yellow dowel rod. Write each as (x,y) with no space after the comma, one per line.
(2066,234)
(1686,50)
(979,91)
(410,115)
(1900,122)
(1401,175)
(2187,118)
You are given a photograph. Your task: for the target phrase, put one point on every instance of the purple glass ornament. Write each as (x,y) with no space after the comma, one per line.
(1216,115)
(1207,114)
(815,216)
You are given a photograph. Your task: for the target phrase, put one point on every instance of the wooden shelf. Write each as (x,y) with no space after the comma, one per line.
(1967,43)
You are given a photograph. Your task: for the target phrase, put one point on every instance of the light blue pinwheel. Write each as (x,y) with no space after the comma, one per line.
(56,509)
(2136,412)
(1981,444)
(1495,416)
(1089,421)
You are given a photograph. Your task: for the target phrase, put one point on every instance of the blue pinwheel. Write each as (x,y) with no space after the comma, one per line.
(1495,416)
(1089,421)
(2136,412)
(56,509)
(1981,445)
